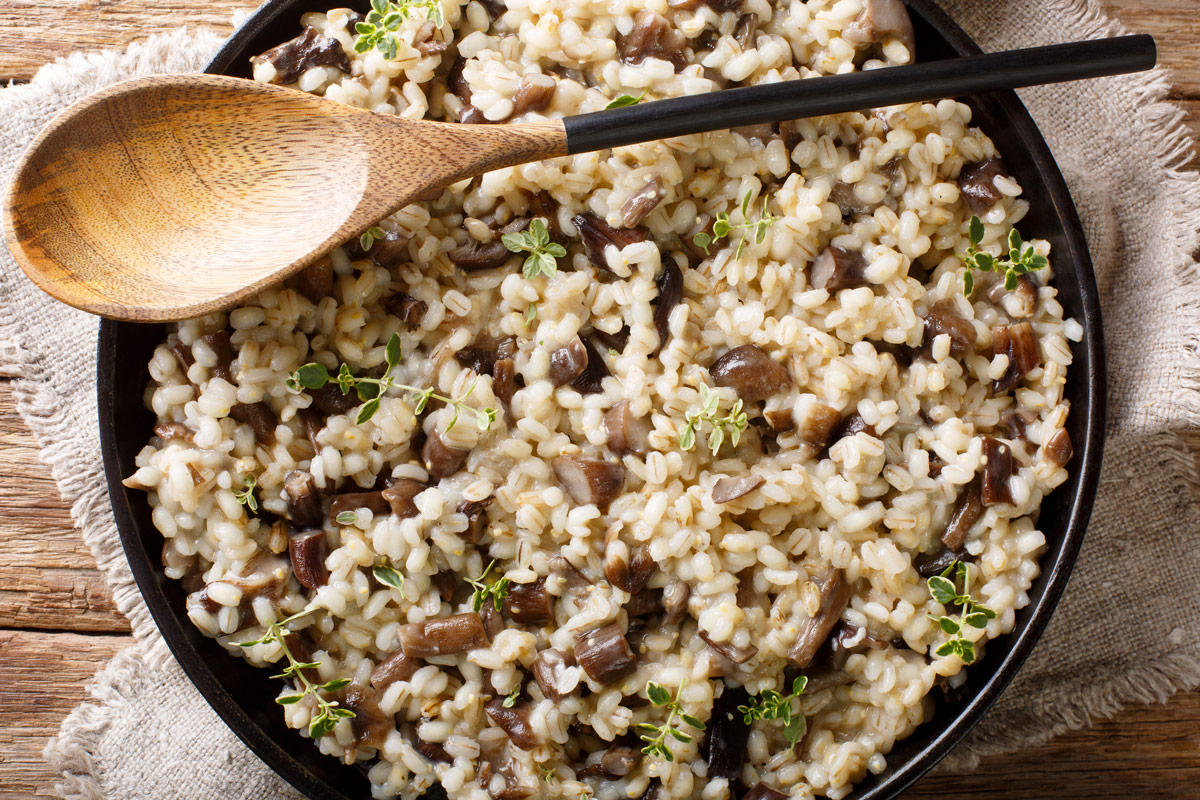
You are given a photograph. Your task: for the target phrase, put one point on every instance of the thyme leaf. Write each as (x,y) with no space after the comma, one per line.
(656,736)
(730,426)
(1019,260)
(943,589)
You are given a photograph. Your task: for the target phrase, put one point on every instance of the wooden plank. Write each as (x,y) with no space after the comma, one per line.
(1175,25)
(47,576)
(35,698)
(38,31)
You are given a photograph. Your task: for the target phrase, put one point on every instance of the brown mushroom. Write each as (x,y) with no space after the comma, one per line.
(835,596)
(401,497)
(549,670)
(728,734)
(967,509)
(396,667)
(441,460)
(670,294)
(621,758)
(534,93)
(568,362)
(173,430)
(476,512)
(307,553)
(589,480)
(879,21)
(513,720)
(675,601)
(1057,449)
(751,373)
(629,575)
(475,256)
(998,468)
(642,202)
(626,433)
(818,424)
(652,36)
(390,249)
(1020,344)
(304,503)
(604,654)
(369,724)
(976,184)
(316,280)
(1021,302)
(407,309)
(259,417)
(844,197)
(726,490)
(851,425)
(352,501)
(295,57)
(597,235)
(529,603)
(761,791)
(836,269)
(942,318)
(504,383)
(591,380)
(447,635)
(738,655)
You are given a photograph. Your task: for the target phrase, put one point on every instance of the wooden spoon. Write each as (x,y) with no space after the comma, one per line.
(170,196)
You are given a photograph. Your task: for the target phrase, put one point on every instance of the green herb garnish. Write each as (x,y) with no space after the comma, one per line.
(388,576)
(496,592)
(543,253)
(769,704)
(530,314)
(722,227)
(548,775)
(327,711)
(627,100)
(346,518)
(246,495)
(731,425)
(943,590)
(511,700)
(370,236)
(379,28)
(656,735)
(1020,259)
(315,375)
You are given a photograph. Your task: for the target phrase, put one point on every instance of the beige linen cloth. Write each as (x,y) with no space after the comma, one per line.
(1126,630)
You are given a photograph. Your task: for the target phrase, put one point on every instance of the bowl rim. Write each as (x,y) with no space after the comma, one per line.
(170,621)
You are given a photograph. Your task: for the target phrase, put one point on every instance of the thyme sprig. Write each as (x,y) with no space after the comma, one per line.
(378,30)
(543,253)
(1020,259)
(328,712)
(245,495)
(388,576)
(511,699)
(722,227)
(626,100)
(656,736)
(496,591)
(943,589)
(315,375)
(730,425)
(770,704)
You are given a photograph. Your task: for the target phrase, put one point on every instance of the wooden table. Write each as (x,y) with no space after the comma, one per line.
(58,624)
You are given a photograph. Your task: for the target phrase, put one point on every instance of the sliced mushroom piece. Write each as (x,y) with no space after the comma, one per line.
(568,362)
(642,202)
(534,93)
(675,601)
(222,347)
(818,423)
(549,670)
(477,520)
(621,758)
(591,380)
(316,280)
(439,637)
(629,576)
(310,49)
(441,460)
(738,655)
(470,115)
(728,734)
(259,417)
(407,309)
(401,497)
(598,235)
(929,564)
(851,425)
(396,667)
(977,186)
(726,490)
(644,603)
(612,341)
(352,501)
(879,21)
(604,654)
(751,373)
(433,751)
(303,500)
(1021,302)
(529,603)
(626,433)
(504,383)
(183,354)
(967,509)
(330,400)
(1020,344)
(475,256)
(835,596)
(307,553)
(390,249)
(589,480)
(761,791)
(652,36)
(493,623)
(942,318)
(744,30)
(173,430)
(998,468)
(496,760)
(1057,449)
(836,269)
(670,294)
(514,721)
(843,196)
(369,724)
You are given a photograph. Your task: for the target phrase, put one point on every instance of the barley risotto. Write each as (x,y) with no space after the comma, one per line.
(684,470)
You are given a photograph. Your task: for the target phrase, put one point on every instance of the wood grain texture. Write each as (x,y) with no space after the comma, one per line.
(1146,751)
(170,196)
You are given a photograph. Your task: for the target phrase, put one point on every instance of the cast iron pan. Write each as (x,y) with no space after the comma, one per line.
(244,696)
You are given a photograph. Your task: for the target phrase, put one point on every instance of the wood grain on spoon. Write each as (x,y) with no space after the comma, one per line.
(167,197)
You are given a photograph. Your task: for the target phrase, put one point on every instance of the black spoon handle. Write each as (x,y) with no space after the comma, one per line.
(754,105)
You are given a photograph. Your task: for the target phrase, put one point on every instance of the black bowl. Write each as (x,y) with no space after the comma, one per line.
(243,695)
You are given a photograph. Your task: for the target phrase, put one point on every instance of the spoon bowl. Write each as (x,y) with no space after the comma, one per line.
(167,197)
(170,196)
